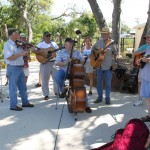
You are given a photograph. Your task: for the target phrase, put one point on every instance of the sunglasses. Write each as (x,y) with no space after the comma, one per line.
(47,35)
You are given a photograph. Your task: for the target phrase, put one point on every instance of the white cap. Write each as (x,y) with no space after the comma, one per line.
(22,35)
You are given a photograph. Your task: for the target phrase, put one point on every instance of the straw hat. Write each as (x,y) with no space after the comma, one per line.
(105,30)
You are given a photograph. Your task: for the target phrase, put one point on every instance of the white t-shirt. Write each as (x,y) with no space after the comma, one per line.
(47,45)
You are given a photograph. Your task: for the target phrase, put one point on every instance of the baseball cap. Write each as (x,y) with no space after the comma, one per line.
(46,33)
(69,40)
(22,35)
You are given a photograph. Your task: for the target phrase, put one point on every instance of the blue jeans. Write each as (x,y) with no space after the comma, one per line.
(101,76)
(16,80)
(60,77)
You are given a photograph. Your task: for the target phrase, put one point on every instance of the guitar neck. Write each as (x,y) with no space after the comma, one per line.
(105,48)
(55,50)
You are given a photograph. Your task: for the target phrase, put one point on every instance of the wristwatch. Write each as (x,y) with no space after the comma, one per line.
(38,48)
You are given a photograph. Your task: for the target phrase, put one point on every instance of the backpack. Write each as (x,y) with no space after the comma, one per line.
(133,137)
(133,80)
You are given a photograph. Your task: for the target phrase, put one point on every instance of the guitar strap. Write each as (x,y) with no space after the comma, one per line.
(53,59)
(107,43)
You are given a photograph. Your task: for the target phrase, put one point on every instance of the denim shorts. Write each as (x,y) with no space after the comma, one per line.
(145,89)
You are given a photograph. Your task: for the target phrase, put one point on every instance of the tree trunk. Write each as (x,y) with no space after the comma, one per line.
(147,27)
(97,14)
(28,25)
(116,22)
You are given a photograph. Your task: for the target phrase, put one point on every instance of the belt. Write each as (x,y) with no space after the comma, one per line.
(18,66)
(51,60)
(14,66)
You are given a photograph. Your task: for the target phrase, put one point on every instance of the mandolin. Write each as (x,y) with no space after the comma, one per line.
(49,54)
(99,56)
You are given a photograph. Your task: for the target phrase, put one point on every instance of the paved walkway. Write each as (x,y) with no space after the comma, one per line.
(46,128)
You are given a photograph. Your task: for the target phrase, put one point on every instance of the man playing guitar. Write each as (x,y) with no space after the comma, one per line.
(46,68)
(107,63)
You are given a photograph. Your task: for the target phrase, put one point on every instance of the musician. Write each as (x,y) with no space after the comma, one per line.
(104,71)
(26,59)
(86,51)
(62,60)
(13,57)
(47,69)
(145,84)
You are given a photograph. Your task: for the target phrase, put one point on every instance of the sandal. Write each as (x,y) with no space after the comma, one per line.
(146,119)
(90,93)
(38,85)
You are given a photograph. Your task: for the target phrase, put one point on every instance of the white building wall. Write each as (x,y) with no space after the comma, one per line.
(138,33)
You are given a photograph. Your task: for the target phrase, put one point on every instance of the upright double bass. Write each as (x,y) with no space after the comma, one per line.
(76,98)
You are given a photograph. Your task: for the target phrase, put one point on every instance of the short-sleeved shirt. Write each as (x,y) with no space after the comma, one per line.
(10,49)
(43,44)
(108,58)
(63,55)
(145,72)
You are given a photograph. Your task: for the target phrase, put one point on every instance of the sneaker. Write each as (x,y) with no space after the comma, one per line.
(19,95)
(88,109)
(138,103)
(6,83)
(62,95)
(90,93)
(97,101)
(38,85)
(46,98)
(107,103)
(17,108)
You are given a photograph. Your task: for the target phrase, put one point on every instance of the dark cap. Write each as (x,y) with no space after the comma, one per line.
(69,40)
(46,33)
(10,31)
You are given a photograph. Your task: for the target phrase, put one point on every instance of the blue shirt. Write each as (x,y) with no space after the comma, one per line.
(143,48)
(63,55)
(145,72)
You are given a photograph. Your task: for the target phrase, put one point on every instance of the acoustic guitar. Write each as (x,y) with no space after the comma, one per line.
(49,54)
(99,56)
(142,64)
(137,58)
